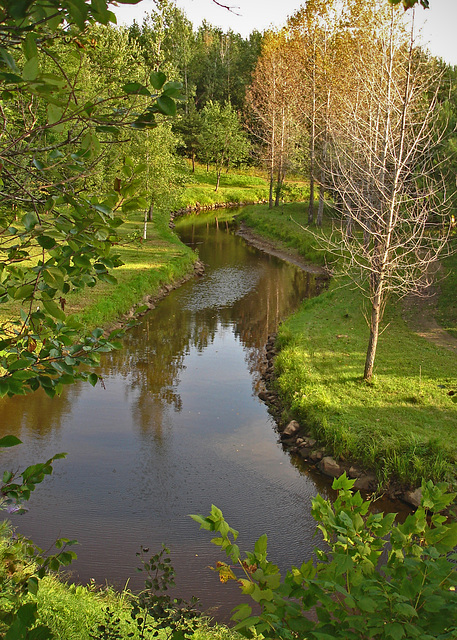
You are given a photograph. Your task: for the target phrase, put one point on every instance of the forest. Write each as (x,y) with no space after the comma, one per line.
(107,132)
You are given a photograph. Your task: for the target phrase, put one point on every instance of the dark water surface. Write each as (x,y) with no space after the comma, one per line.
(177,428)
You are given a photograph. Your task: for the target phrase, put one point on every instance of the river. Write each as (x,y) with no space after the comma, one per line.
(176,427)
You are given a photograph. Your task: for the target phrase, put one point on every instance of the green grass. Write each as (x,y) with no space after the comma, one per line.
(447,302)
(286,224)
(403,423)
(235,186)
(148,265)
(74,612)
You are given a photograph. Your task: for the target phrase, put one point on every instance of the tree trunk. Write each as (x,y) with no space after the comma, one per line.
(150,212)
(270,197)
(145,227)
(193,162)
(278,188)
(218,179)
(311,200)
(374,333)
(320,210)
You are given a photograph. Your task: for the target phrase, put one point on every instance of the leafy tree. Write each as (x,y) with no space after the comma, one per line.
(222,140)
(271,100)
(57,226)
(188,127)
(55,234)
(410,3)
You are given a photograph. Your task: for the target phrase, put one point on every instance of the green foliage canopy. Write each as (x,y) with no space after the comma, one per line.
(56,234)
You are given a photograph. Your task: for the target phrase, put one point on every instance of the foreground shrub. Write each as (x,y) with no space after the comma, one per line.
(378,579)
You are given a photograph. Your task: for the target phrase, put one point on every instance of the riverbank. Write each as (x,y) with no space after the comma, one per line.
(401,425)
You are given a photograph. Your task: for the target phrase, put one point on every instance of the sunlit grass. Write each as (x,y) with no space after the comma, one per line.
(287,224)
(235,187)
(75,612)
(148,265)
(403,423)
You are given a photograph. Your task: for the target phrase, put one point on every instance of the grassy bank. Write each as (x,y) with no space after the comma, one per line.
(100,614)
(148,265)
(402,424)
(250,185)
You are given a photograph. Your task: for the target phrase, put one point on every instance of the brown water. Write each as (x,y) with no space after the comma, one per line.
(178,427)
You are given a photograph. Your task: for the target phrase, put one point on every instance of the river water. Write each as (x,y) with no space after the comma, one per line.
(178,426)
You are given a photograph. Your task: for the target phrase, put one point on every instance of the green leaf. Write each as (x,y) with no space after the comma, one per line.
(31,69)
(8,60)
(261,545)
(99,7)
(27,613)
(53,309)
(93,379)
(157,79)
(241,612)
(136,88)
(46,242)
(172,89)
(9,441)
(166,105)
(54,113)
(24,292)
(29,46)
(449,539)
(78,12)
(29,221)
(366,604)
(32,585)
(395,630)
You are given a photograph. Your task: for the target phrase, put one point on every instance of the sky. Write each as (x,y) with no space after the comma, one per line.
(438,24)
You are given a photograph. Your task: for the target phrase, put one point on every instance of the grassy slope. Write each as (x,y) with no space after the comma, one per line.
(403,424)
(160,260)
(249,186)
(75,613)
(147,266)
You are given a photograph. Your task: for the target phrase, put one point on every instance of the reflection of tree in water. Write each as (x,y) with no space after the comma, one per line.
(36,414)
(239,289)
(259,292)
(279,293)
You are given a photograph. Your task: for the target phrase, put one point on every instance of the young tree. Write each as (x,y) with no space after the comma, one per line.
(222,138)
(381,161)
(271,99)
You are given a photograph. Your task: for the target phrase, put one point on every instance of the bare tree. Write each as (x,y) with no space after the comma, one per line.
(380,161)
(270,101)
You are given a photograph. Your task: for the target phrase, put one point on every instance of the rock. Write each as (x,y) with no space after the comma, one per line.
(353,472)
(413,497)
(366,482)
(311,442)
(292,429)
(263,395)
(330,467)
(300,442)
(316,456)
(304,452)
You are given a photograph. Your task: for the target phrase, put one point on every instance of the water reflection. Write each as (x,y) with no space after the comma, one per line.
(178,427)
